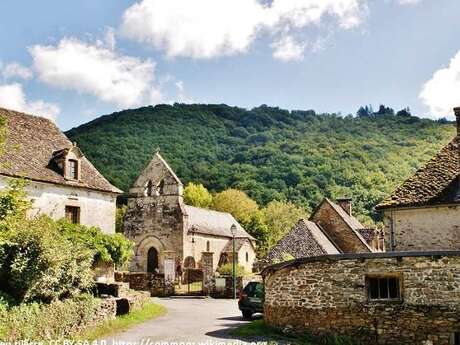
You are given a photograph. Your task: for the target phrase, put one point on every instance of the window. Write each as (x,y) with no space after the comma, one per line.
(160,187)
(383,288)
(247,257)
(72,214)
(73,169)
(149,189)
(208,246)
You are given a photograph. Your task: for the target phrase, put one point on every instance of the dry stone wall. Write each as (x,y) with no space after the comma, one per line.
(329,295)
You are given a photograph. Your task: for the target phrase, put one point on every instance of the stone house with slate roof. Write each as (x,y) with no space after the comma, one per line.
(331,229)
(424,212)
(62,182)
(162,225)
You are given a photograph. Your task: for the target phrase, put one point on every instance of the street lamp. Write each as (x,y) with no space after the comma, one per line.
(233,231)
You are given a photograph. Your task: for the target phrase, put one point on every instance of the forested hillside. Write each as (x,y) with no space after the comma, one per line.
(270,153)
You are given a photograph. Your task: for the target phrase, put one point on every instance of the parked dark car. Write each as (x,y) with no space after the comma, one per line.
(252,299)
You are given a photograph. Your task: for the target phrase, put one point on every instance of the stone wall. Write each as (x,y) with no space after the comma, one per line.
(337,229)
(154,217)
(329,295)
(143,281)
(429,228)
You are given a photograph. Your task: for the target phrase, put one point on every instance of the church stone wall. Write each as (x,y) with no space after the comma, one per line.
(329,295)
(155,215)
(428,228)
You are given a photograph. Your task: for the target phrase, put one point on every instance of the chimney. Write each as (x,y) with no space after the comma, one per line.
(345,203)
(457,117)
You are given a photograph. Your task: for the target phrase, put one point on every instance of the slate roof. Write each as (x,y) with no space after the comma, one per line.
(30,144)
(214,223)
(304,239)
(434,183)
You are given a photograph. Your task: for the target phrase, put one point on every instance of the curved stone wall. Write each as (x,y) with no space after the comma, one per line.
(329,294)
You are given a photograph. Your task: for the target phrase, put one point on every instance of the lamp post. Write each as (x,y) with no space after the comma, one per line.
(233,231)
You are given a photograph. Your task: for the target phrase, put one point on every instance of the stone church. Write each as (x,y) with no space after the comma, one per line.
(167,231)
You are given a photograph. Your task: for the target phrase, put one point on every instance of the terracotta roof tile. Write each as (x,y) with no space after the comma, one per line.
(30,144)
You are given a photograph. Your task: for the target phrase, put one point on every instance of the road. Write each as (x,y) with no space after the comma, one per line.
(189,320)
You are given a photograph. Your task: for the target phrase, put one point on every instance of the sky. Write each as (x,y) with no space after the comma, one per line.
(73,61)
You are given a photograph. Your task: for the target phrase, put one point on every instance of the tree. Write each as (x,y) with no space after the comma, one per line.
(257,228)
(237,203)
(404,112)
(44,260)
(280,217)
(195,194)
(383,110)
(13,200)
(364,111)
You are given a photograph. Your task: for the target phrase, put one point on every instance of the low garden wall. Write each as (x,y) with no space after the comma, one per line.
(156,284)
(388,298)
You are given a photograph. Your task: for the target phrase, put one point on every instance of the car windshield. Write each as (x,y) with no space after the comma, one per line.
(254,290)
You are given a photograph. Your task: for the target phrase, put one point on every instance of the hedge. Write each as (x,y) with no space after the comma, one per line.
(53,321)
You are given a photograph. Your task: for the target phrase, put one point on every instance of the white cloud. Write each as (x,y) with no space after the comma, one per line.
(210,28)
(408,2)
(182,96)
(16,70)
(12,97)
(96,69)
(442,92)
(287,49)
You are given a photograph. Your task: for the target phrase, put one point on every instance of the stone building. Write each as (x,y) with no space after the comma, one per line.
(374,298)
(162,226)
(424,212)
(62,182)
(331,229)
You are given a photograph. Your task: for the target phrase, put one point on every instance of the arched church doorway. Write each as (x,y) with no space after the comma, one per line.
(152,260)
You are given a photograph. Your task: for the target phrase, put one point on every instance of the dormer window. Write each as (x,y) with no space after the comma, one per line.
(73,169)
(68,162)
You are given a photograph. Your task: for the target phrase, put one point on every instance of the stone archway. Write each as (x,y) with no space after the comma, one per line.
(149,248)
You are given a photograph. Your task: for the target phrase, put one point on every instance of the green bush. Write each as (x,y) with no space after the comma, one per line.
(114,248)
(227,270)
(38,263)
(44,260)
(57,320)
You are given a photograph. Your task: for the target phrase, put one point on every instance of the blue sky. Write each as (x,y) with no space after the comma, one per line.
(77,60)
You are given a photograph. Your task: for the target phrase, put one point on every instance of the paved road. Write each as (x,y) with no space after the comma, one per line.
(188,320)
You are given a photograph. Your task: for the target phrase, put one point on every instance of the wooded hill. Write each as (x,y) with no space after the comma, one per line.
(269,153)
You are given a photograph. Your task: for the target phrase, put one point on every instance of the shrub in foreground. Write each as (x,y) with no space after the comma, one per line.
(56,320)
(37,263)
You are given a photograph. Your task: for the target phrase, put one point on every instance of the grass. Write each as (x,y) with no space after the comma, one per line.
(258,329)
(122,323)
